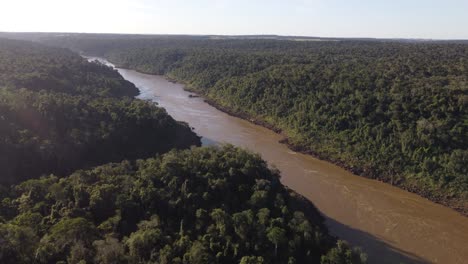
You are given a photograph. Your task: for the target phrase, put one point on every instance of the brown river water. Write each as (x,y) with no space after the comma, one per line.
(390,224)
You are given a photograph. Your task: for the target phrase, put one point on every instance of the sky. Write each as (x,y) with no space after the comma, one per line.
(429,19)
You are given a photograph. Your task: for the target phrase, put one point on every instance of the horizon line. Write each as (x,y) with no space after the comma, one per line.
(237,35)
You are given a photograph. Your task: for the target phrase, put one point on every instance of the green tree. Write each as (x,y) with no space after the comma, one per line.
(17,244)
(146,240)
(276,236)
(343,254)
(198,254)
(68,235)
(252,260)
(109,251)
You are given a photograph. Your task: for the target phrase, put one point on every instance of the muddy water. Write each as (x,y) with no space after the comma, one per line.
(391,225)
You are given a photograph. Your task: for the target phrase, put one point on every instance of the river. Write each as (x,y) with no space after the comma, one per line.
(390,224)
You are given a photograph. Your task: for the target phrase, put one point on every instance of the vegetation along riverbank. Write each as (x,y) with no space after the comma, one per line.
(388,110)
(91,174)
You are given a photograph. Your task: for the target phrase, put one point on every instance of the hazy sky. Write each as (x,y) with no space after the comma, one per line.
(327,18)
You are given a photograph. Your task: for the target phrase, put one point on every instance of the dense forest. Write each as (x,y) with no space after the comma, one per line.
(204,205)
(389,110)
(59,113)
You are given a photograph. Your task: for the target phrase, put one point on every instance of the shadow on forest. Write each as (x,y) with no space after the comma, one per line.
(377,250)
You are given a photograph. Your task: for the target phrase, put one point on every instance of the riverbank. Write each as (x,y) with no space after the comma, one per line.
(392,225)
(454,203)
(448,200)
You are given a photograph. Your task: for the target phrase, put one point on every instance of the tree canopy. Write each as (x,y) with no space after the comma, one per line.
(62,115)
(59,113)
(390,110)
(191,206)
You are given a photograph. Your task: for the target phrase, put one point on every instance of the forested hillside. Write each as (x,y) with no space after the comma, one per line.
(393,111)
(37,67)
(59,113)
(205,205)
